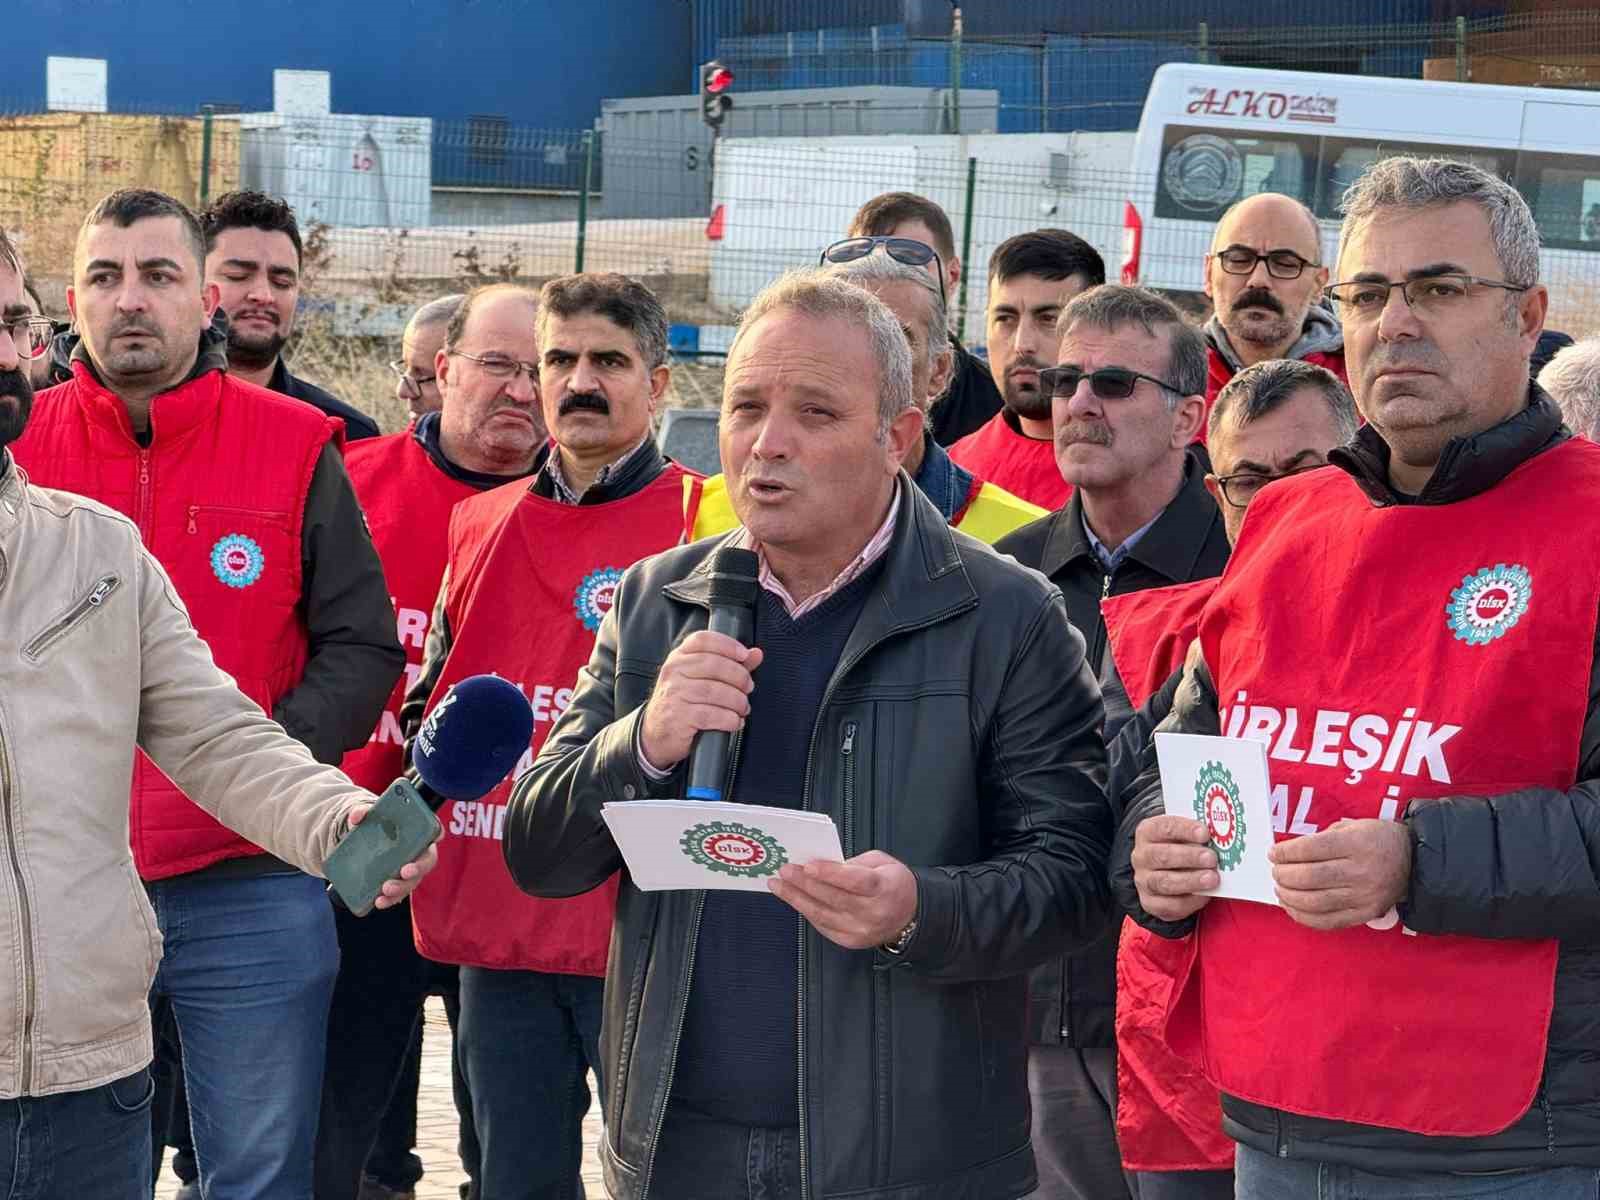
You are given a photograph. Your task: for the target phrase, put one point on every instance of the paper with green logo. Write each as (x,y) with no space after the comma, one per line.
(670,844)
(1224,782)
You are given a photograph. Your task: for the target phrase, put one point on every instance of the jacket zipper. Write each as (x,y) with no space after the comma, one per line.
(29,983)
(846,750)
(195,510)
(80,610)
(683,1009)
(142,503)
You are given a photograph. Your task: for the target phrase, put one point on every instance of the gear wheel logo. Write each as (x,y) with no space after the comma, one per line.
(733,849)
(1488,603)
(237,561)
(1218,804)
(592,601)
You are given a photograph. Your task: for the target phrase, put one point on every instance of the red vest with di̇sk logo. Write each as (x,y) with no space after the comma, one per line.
(219,496)
(407,499)
(1386,654)
(530,581)
(1022,465)
(1169,1116)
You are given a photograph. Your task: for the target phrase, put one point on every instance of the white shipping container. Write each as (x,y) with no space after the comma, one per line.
(342,168)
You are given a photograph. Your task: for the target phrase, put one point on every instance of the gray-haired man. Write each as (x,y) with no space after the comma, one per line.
(1408,636)
(1572,378)
(860,1030)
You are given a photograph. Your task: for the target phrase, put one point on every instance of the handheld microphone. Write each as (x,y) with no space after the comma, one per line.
(733,612)
(473,737)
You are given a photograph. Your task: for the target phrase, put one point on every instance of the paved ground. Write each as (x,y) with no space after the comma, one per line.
(436,1124)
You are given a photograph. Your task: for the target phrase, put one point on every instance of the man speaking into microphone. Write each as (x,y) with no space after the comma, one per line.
(860,1030)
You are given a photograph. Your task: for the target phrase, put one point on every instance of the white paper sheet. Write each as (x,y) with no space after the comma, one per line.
(1224,782)
(671,844)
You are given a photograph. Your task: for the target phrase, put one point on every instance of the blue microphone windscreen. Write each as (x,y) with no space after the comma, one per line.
(473,737)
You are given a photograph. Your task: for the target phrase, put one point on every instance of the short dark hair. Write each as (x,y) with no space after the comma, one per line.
(457,328)
(883,213)
(622,301)
(1111,306)
(249,210)
(1256,391)
(1049,254)
(125,206)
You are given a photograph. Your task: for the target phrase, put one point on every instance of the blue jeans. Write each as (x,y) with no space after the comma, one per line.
(526,1039)
(90,1143)
(698,1158)
(1260,1176)
(248,970)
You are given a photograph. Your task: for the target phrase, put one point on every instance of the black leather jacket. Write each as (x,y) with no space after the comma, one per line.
(1518,865)
(976,760)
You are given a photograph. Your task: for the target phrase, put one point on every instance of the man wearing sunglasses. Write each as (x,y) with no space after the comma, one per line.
(1127,402)
(1265,277)
(971,397)
(1031,276)
(1418,1015)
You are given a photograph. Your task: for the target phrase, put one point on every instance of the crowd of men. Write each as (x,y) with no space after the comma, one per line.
(984,585)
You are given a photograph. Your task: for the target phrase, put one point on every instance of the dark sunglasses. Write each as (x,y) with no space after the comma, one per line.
(903,250)
(1109,383)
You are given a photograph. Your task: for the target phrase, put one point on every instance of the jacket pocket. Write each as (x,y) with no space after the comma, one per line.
(82,609)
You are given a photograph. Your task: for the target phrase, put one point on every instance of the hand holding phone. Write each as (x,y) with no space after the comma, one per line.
(397,831)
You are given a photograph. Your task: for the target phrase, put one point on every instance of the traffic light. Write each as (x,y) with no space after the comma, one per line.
(715,80)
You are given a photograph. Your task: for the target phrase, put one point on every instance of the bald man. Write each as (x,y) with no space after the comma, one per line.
(1265,277)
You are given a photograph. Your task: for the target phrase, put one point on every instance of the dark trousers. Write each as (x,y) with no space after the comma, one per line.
(393,1161)
(526,1040)
(373,1025)
(93,1143)
(1074,1095)
(1185,1185)
(699,1158)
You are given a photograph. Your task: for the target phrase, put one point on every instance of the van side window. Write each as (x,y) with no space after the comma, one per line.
(1564,192)
(1203,171)
(1343,160)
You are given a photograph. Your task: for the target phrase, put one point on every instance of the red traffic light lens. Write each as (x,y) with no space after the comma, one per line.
(720,80)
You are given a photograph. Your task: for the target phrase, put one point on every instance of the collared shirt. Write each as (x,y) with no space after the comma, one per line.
(558,481)
(1112,559)
(870,553)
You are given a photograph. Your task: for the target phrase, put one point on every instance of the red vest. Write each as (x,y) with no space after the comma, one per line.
(545,573)
(218,496)
(1169,1118)
(407,499)
(1387,653)
(1218,373)
(1023,466)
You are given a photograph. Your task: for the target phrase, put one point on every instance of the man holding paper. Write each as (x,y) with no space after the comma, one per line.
(860,1030)
(1408,637)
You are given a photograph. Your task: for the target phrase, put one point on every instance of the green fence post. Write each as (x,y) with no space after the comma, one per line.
(1463,72)
(966,249)
(955,69)
(583,196)
(1204,47)
(207,112)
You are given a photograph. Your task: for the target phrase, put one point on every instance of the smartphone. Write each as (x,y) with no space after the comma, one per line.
(399,827)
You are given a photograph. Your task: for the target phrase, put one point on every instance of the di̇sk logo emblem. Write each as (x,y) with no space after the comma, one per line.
(237,561)
(1217,802)
(1488,603)
(733,849)
(594,596)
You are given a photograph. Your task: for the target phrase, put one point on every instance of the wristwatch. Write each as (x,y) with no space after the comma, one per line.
(902,940)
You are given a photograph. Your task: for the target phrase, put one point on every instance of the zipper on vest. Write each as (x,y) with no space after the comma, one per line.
(142,503)
(29,983)
(194,511)
(847,769)
(80,610)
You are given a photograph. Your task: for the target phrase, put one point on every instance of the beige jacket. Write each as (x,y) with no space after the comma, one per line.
(97,655)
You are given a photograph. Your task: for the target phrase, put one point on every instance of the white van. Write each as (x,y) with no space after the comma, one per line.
(1212,135)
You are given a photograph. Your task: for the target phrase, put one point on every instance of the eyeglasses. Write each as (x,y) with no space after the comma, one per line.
(499,366)
(410,385)
(1109,383)
(30,335)
(1281,264)
(1241,487)
(903,250)
(1426,294)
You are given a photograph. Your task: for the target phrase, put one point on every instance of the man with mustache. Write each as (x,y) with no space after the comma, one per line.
(487,432)
(1031,276)
(1265,277)
(531,569)
(253,257)
(1413,635)
(242,495)
(1127,399)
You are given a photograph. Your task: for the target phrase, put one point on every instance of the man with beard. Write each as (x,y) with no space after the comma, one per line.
(529,575)
(243,497)
(1128,399)
(1265,277)
(1031,276)
(253,257)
